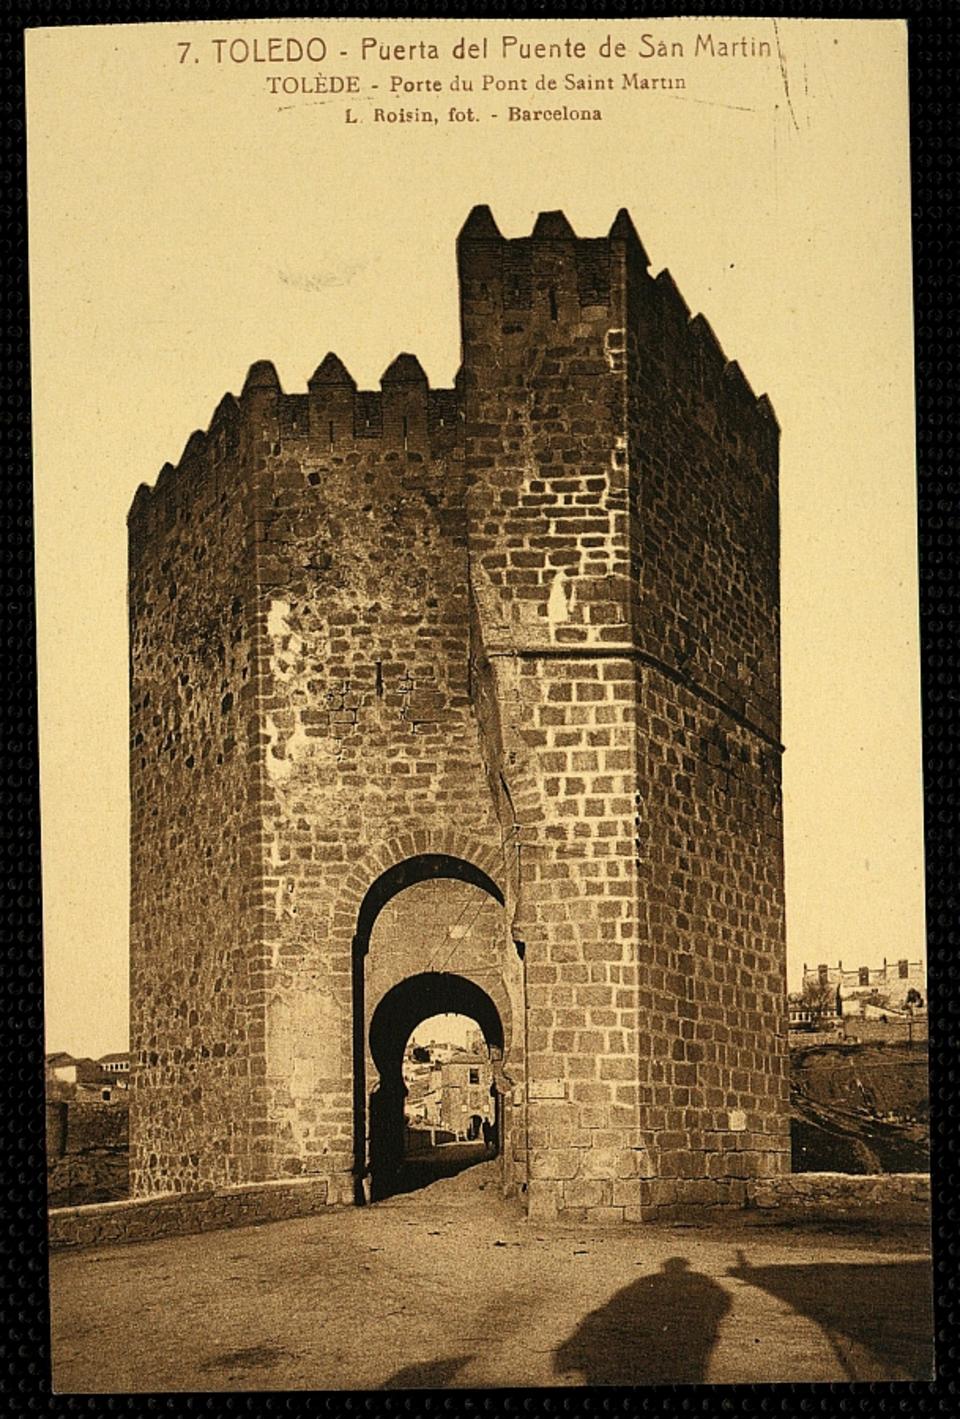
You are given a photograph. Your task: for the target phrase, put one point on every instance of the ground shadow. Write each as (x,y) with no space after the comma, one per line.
(418,1171)
(431,1374)
(885,1308)
(661,1329)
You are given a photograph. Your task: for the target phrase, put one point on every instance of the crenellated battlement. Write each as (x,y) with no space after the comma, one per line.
(512,290)
(688,347)
(549,273)
(519,273)
(555,277)
(333,416)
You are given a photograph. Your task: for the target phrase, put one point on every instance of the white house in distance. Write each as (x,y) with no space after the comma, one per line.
(103,1075)
(450,1088)
(895,988)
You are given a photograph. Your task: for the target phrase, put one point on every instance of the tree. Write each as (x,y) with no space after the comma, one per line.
(821,996)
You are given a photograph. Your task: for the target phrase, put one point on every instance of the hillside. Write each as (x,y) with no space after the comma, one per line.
(860,1108)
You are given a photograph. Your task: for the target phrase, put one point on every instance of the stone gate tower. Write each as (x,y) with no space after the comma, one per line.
(468,700)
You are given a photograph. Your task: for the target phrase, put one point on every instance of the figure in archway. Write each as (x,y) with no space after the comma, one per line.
(491,1127)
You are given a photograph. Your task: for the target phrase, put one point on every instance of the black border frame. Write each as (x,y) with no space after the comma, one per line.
(934,28)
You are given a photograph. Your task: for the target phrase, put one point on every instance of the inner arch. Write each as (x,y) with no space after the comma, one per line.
(402,1009)
(414,1000)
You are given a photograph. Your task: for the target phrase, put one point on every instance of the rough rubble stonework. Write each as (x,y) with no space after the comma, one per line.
(478,690)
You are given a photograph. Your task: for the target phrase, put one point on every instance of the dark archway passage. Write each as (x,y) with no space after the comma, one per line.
(398,1014)
(412,1000)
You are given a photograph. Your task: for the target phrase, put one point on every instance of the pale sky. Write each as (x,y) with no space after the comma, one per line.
(184,223)
(452,1029)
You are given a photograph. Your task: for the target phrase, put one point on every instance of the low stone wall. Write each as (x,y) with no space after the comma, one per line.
(842,1197)
(794,1197)
(883,1032)
(87,1152)
(179,1214)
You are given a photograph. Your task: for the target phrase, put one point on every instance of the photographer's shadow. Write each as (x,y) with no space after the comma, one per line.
(661,1329)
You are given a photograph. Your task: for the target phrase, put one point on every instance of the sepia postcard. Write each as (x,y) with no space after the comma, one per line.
(477,586)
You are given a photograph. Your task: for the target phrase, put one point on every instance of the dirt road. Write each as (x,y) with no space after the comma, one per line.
(451,1287)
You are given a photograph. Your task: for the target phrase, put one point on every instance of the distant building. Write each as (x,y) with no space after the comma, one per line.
(802,1014)
(433,1051)
(103,1079)
(424,1098)
(466,1080)
(451,1092)
(897,987)
(60,1068)
(66,1069)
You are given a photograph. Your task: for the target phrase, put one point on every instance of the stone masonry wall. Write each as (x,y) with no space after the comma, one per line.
(545,448)
(812,1198)
(711,955)
(196,1029)
(879,1031)
(625,568)
(144,1219)
(300,707)
(884,1198)
(703,454)
(368,725)
(87,1151)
